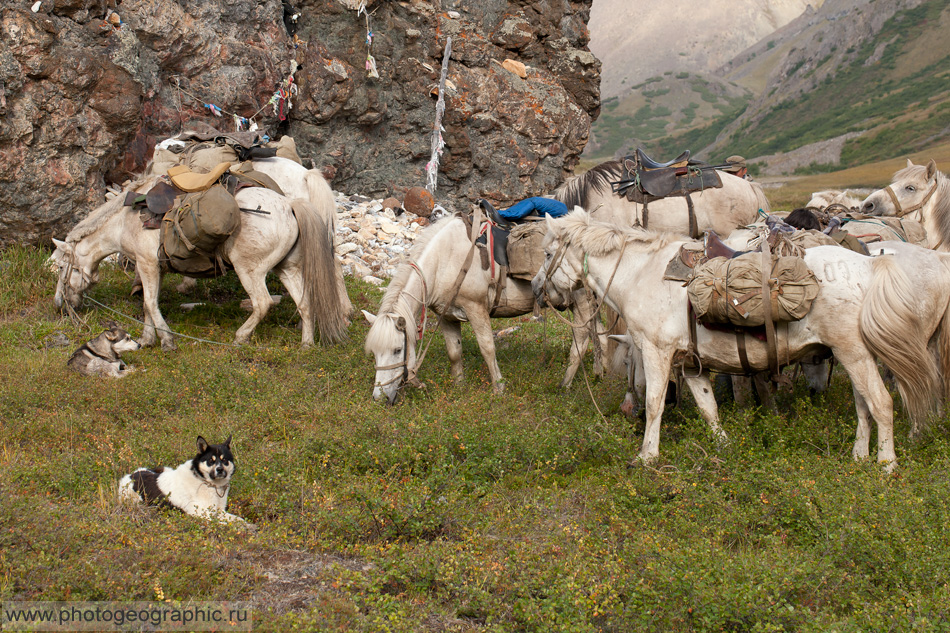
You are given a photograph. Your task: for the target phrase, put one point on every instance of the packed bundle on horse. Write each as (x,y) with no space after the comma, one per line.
(724,290)
(203,148)
(193,230)
(525,252)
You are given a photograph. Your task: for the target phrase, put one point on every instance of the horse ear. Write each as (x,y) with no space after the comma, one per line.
(58,244)
(623,339)
(910,163)
(369,316)
(931,169)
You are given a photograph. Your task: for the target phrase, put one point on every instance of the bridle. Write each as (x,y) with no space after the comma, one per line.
(66,273)
(407,375)
(901,212)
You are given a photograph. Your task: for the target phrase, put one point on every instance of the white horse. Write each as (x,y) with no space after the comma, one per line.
(822,199)
(296,181)
(917,192)
(886,306)
(429,280)
(291,238)
(722,209)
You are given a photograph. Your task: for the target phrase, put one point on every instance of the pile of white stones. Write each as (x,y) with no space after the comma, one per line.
(372,240)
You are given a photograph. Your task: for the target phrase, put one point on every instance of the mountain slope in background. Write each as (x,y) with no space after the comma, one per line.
(847,82)
(639,39)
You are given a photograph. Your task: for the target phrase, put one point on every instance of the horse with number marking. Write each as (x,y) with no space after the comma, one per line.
(890,307)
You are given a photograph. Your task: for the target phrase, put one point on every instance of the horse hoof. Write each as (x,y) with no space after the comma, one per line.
(169,346)
(498,387)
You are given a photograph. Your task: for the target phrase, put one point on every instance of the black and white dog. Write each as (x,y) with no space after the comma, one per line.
(100,356)
(198,487)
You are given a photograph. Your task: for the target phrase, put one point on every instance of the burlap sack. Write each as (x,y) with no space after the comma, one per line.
(192,231)
(730,290)
(525,255)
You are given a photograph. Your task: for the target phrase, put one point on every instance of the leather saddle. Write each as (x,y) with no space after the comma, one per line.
(691,255)
(645,179)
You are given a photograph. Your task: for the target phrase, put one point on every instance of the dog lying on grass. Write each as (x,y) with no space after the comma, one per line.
(100,356)
(198,487)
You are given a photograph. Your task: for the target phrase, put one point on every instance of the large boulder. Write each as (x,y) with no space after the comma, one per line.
(84,94)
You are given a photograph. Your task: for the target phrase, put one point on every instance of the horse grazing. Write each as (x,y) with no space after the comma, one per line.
(721,209)
(291,238)
(431,279)
(921,193)
(885,306)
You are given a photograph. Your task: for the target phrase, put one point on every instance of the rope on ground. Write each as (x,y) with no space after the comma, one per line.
(157,329)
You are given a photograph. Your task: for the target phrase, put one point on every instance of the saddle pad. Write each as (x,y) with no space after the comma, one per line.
(189,181)
(500,241)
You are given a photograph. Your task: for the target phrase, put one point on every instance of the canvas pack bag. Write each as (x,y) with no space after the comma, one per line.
(726,290)
(525,254)
(192,231)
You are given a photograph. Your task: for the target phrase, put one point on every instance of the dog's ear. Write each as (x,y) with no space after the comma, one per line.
(227,442)
(111,334)
(202,445)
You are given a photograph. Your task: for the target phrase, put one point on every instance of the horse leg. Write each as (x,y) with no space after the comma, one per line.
(291,277)
(481,323)
(702,391)
(580,337)
(452,333)
(255,283)
(866,382)
(862,434)
(656,369)
(154,322)
(742,390)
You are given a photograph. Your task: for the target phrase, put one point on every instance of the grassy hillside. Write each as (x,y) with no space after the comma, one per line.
(657,108)
(456,510)
(893,87)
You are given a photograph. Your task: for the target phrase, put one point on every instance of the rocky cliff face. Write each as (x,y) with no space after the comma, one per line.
(87,87)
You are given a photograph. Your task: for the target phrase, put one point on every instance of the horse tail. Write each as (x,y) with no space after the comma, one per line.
(892,330)
(319,273)
(322,198)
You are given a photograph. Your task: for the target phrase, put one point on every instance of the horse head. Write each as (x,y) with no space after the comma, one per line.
(559,275)
(75,274)
(910,190)
(394,348)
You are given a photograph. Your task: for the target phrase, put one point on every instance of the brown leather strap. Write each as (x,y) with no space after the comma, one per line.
(743,356)
(500,287)
(770,344)
(693,226)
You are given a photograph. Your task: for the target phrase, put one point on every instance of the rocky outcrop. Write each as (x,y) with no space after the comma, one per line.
(87,88)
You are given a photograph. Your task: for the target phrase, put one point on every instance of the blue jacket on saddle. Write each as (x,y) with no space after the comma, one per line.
(549,206)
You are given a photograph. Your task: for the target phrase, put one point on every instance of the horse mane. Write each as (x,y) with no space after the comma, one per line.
(383,332)
(576,191)
(98,217)
(601,238)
